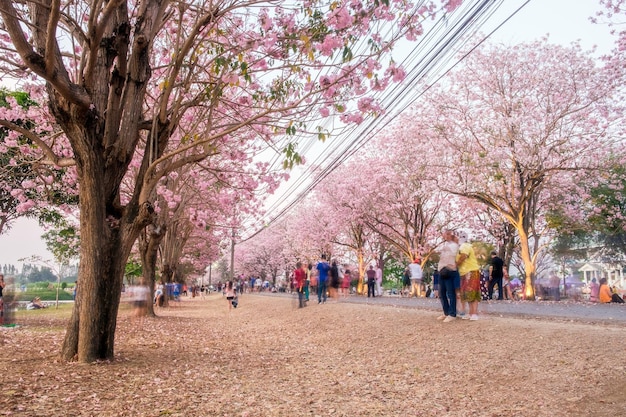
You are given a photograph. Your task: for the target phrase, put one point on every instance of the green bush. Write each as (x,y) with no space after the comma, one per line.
(44,294)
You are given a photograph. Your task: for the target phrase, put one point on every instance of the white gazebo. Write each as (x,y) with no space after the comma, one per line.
(614,273)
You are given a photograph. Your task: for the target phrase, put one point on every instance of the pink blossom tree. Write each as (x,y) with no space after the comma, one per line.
(28,183)
(341,216)
(385,194)
(411,211)
(167,81)
(267,256)
(194,213)
(512,126)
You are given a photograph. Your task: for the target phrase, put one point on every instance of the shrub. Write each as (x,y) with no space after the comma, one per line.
(44,294)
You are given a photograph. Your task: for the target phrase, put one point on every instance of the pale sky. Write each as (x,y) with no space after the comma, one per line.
(564,20)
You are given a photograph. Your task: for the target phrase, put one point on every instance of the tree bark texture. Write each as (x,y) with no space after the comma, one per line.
(149,250)
(529,265)
(362,286)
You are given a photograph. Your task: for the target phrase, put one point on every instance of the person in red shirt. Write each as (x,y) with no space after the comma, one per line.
(299,281)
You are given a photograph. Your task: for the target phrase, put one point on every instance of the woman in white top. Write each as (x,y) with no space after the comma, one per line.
(449,279)
(230,294)
(158,294)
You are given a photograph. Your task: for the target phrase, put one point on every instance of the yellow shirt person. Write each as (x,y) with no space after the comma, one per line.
(470,263)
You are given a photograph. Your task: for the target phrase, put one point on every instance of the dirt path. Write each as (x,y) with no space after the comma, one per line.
(268,358)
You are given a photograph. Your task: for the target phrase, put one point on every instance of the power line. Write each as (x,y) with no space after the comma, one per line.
(438,48)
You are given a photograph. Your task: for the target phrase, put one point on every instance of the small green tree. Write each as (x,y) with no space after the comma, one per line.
(598,225)
(392,275)
(132,271)
(62,238)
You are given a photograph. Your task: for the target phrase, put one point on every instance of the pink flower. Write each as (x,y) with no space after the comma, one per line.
(397,74)
(28,184)
(330,44)
(452,5)
(340,19)
(365,104)
(265,20)
(25,206)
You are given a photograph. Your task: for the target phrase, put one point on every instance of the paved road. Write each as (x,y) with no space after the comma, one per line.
(561,310)
(564,310)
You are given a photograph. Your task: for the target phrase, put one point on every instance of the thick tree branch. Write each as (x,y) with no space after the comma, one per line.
(182,55)
(51,40)
(96,37)
(48,152)
(36,63)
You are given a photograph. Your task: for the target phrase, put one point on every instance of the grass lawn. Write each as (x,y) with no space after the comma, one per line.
(44,294)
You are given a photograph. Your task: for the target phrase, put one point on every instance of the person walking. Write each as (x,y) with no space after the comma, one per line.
(506,280)
(555,287)
(406,282)
(230,294)
(307,283)
(313,275)
(345,283)
(448,276)
(495,275)
(299,281)
(334,280)
(415,269)
(322,279)
(469,270)
(371,282)
(379,281)
(140,297)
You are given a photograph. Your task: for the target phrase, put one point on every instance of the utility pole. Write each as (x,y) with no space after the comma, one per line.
(232,256)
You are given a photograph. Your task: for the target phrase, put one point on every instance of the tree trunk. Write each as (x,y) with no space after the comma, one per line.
(509,244)
(91,331)
(102,118)
(106,242)
(361,287)
(529,266)
(149,249)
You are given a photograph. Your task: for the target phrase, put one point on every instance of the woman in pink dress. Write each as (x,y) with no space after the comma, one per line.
(345,283)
